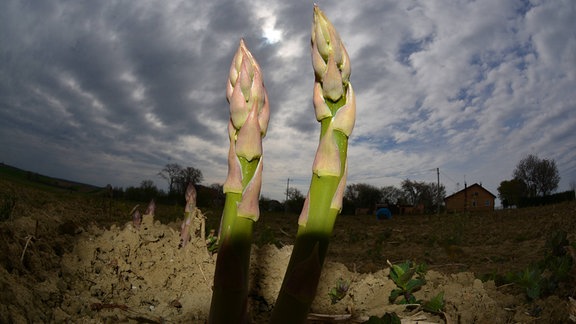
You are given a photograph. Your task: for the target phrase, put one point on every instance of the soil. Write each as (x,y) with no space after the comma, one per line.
(63,260)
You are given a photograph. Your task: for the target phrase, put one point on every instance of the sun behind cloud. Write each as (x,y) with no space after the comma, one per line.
(270,33)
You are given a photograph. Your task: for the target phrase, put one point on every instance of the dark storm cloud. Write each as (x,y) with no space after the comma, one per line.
(92,75)
(93,87)
(93,46)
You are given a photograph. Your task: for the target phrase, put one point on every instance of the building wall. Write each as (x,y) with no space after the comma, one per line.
(475,197)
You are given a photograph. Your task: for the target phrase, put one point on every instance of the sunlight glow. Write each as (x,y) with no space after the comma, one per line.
(270,33)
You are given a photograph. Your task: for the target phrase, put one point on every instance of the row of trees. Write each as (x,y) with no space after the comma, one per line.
(533,177)
(429,195)
(178,179)
(361,195)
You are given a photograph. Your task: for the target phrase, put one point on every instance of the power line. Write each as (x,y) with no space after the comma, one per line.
(395,175)
(449,178)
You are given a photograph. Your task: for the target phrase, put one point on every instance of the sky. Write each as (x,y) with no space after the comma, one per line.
(109,92)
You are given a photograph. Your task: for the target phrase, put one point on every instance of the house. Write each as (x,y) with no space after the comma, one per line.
(471,198)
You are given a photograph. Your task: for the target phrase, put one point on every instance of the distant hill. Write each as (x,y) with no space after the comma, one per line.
(19,175)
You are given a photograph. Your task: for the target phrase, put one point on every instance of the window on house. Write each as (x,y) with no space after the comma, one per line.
(487,203)
(474,203)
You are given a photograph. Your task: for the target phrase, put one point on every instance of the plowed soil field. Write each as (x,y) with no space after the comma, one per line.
(76,258)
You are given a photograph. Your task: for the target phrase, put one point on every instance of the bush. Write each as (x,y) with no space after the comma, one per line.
(547,200)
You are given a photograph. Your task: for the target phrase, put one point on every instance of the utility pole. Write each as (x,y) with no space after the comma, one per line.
(465,195)
(438,192)
(286,200)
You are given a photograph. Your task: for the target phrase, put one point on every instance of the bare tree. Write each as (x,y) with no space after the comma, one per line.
(295,194)
(415,192)
(178,178)
(171,172)
(540,175)
(295,200)
(391,194)
(187,176)
(427,194)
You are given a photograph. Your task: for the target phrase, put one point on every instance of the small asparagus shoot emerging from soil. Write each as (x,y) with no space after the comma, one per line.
(335,108)
(151,209)
(136,217)
(249,115)
(339,291)
(189,213)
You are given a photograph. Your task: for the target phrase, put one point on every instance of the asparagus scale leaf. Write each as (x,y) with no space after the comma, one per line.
(436,304)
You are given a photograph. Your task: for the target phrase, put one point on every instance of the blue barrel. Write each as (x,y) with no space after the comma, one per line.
(383,213)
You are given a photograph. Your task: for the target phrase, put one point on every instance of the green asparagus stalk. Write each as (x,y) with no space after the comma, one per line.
(249,115)
(335,108)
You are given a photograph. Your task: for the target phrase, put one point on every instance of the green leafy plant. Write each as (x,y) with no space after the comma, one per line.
(436,304)
(408,279)
(530,279)
(212,241)
(339,291)
(559,263)
(549,274)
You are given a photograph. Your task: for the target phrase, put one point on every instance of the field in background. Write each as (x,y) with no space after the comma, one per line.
(483,243)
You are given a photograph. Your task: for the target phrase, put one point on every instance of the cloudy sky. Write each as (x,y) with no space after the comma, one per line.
(108,92)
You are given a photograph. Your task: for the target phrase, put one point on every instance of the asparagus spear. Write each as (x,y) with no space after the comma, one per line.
(189,213)
(151,209)
(335,108)
(249,115)
(136,217)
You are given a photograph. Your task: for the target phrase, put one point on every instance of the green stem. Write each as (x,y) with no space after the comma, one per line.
(230,292)
(301,279)
(305,266)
